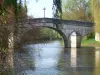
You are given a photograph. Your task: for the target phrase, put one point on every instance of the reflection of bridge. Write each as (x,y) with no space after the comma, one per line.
(64,27)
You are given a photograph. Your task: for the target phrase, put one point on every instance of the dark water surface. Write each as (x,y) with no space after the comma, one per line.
(52,59)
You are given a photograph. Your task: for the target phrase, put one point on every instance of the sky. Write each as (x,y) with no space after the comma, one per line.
(35,9)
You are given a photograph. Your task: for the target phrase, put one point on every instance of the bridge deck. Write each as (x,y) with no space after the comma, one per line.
(57,21)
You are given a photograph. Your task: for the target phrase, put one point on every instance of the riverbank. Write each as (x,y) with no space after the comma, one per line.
(90,43)
(84,43)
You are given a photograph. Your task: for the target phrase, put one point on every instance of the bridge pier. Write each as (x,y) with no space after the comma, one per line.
(65,42)
(73,40)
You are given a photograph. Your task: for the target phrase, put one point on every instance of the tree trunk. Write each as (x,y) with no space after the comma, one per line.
(6,62)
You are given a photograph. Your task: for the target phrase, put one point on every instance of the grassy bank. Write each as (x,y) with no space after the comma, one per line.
(90,43)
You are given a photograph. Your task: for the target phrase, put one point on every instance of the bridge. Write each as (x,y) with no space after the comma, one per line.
(64,27)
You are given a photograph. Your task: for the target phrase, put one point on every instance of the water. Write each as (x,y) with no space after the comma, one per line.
(52,59)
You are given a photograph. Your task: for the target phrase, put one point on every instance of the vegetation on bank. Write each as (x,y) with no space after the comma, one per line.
(90,43)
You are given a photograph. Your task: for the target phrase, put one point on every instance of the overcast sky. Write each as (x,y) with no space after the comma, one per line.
(35,9)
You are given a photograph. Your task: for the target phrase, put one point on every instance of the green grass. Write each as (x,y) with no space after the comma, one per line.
(90,42)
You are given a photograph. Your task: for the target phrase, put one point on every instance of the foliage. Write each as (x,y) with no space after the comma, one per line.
(95,6)
(91,35)
(77,10)
(14,4)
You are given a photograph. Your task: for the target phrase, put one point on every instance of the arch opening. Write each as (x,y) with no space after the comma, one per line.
(45,33)
(74,39)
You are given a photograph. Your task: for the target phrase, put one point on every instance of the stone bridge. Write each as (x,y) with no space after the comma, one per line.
(64,27)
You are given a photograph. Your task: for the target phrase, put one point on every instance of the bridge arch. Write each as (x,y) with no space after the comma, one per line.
(57,30)
(65,39)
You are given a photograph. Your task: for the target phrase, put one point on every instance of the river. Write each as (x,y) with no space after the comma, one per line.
(51,58)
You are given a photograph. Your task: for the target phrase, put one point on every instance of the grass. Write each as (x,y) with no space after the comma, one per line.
(90,43)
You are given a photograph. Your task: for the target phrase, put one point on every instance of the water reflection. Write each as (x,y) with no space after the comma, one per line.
(97,58)
(79,61)
(97,62)
(45,57)
(73,57)
(51,59)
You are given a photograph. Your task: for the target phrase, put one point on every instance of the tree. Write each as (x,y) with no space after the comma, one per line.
(57,8)
(77,10)
(9,13)
(95,6)
(96,14)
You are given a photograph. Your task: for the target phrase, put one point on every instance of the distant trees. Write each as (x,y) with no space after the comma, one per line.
(77,10)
